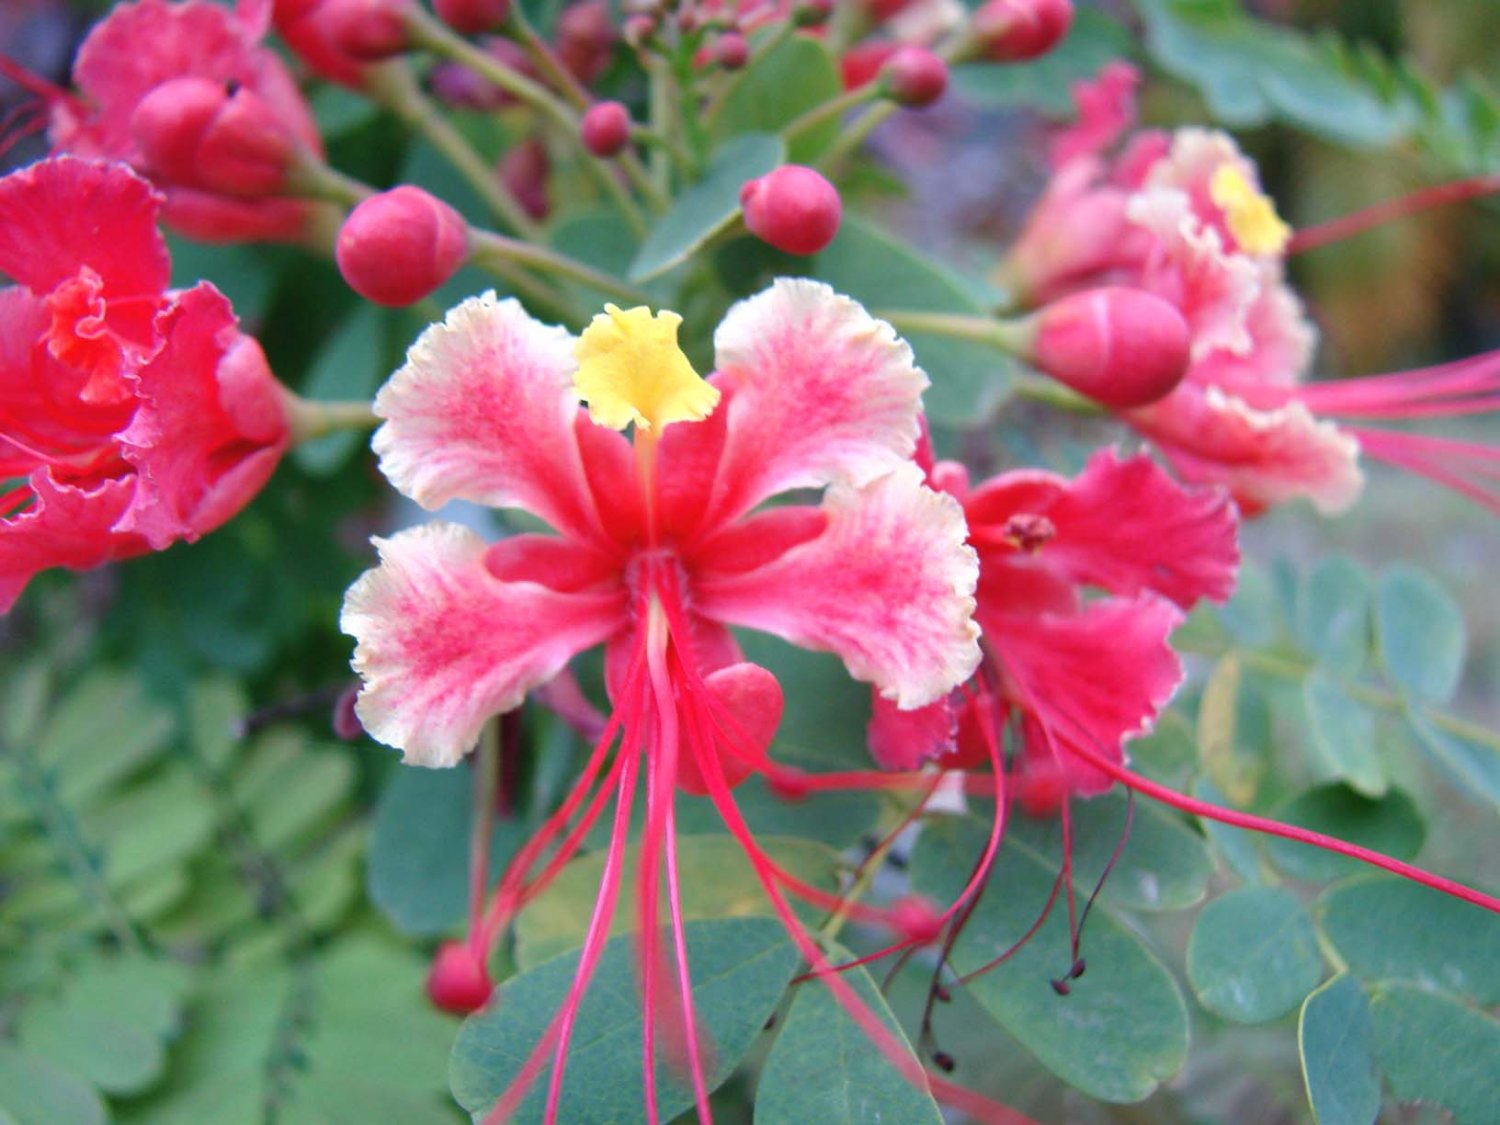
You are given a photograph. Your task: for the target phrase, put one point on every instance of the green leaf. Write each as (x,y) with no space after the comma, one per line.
(716,878)
(707,207)
(1333,615)
(598,239)
(1095,39)
(1164,865)
(824,1068)
(93,1044)
(1474,767)
(1336,1039)
(1392,929)
(348,366)
(797,75)
(1433,1049)
(1126,1007)
(968,379)
(1392,824)
(1253,954)
(35,1092)
(418,867)
(1342,733)
(1420,630)
(740,968)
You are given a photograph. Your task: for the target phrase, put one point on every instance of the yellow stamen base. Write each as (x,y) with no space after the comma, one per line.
(1250,214)
(630,369)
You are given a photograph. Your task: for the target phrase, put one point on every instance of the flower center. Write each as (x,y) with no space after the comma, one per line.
(1249,213)
(630,369)
(80,338)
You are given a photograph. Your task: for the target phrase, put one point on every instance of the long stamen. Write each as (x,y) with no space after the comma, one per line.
(1425,199)
(695,1054)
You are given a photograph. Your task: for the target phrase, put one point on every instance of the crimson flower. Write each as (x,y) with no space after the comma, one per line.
(131,415)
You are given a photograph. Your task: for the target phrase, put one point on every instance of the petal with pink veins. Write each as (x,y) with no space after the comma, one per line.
(888,586)
(442,644)
(822,392)
(484,410)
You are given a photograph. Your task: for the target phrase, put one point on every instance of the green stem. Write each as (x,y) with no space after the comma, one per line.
(831,110)
(490,248)
(854,136)
(546,59)
(998,334)
(715,108)
(311,420)
(393,86)
(482,822)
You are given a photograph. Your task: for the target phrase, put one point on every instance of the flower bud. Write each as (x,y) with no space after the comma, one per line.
(523,170)
(605,129)
(731,51)
(638,29)
(345,720)
(458,981)
(1017,30)
(916,919)
(881,10)
(585,39)
(463,88)
(793,208)
(400,245)
(212,136)
(863,62)
(367,30)
(469,17)
(1120,347)
(914,77)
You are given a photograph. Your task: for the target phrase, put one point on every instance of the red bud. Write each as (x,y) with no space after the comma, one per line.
(367,30)
(469,17)
(1120,347)
(916,919)
(605,129)
(1017,30)
(862,63)
(731,50)
(211,136)
(458,981)
(914,77)
(793,208)
(400,245)
(524,169)
(586,39)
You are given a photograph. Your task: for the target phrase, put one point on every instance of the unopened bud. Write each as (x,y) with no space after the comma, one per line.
(731,50)
(585,39)
(1120,347)
(346,723)
(400,245)
(212,136)
(914,77)
(469,17)
(605,129)
(459,86)
(1017,30)
(915,918)
(863,62)
(793,208)
(639,29)
(524,170)
(367,30)
(458,981)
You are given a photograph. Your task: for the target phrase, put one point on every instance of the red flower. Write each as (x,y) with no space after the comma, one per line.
(135,415)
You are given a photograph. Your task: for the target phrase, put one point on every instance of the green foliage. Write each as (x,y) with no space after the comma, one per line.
(1253,955)
(1337,1039)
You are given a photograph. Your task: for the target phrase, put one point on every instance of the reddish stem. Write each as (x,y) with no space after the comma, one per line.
(1424,199)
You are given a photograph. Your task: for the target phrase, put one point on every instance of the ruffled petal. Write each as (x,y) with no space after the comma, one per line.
(211,426)
(61,214)
(442,644)
(908,740)
(484,410)
(1264,457)
(822,392)
(66,525)
(1122,525)
(1095,678)
(888,586)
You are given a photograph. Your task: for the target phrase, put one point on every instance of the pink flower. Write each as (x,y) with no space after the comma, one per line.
(660,546)
(134,415)
(1075,670)
(187,95)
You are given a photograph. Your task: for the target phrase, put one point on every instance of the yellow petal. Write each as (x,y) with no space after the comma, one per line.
(630,369)
(1250,214)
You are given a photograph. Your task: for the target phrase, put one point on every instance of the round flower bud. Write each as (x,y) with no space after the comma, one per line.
(469,17)
(1120,347)
(863,62)
(1017,30)
(400,245)
(914,77)
(458,981)
(605,129)
(731,51)
(585,39)
(367,30)
(524,170)
(208,135)
(793,208)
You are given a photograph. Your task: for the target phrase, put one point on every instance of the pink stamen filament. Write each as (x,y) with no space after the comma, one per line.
(1425,199)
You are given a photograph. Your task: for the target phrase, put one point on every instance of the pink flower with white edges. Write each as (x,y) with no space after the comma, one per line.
(660,545)
(1074,669)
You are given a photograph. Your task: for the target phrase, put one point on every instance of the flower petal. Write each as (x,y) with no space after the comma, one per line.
(442,644)
(1095,678)
(1122,525)
(66,525)
(484,409)
(908,740)
(888,586)
(822,392)
(1264,457)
